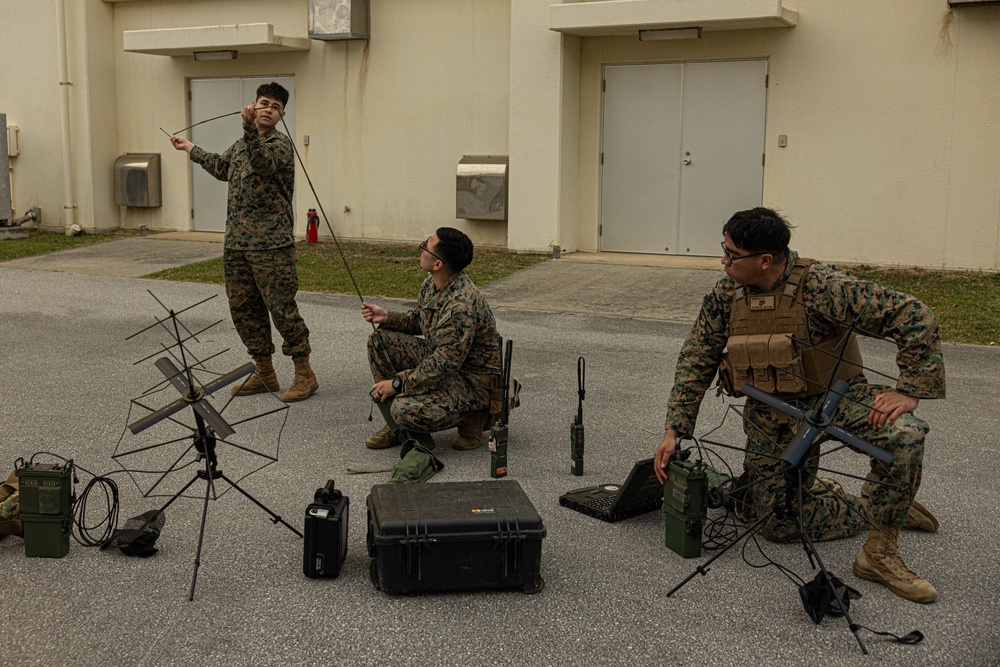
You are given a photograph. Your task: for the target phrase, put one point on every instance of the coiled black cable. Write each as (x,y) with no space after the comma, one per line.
(84,533)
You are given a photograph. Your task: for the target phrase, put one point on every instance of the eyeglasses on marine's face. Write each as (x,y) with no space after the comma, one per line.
(728,254)
(423,247)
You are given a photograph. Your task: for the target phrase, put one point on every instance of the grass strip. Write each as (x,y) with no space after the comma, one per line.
(381,270)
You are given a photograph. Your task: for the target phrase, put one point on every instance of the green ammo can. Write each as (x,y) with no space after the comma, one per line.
(46,496)
(46,536)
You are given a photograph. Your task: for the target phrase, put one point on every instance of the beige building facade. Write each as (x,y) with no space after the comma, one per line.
(879,133)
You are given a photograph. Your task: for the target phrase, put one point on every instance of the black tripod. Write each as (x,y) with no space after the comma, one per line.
(210,426)
(815,422)
(204,444)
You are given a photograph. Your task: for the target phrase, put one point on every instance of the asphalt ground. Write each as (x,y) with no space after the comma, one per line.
(69,372)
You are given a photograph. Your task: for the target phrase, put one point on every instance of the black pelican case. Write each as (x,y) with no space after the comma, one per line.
(454,536)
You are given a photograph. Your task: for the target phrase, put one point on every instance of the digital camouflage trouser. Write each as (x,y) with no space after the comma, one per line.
(259,282)
(827,516)
(437,409)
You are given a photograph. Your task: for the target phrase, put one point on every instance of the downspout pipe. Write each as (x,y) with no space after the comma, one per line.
(69,207)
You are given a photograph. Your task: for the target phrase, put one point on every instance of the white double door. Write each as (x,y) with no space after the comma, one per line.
(682,150)
(215,97)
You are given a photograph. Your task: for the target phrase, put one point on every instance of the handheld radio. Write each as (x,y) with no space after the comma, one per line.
(576,429)
(498,435)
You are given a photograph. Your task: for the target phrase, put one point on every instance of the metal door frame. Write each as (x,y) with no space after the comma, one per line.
(287,80)
(602,119)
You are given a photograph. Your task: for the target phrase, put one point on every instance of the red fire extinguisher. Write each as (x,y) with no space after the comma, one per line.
(312,226)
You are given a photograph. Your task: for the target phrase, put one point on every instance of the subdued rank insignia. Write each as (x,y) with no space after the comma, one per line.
(762,302)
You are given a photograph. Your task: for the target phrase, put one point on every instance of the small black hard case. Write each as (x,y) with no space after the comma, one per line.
(325,544)
(454,536)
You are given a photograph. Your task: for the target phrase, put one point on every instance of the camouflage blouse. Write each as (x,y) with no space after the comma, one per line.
(831,298)
(261,175)
(458,324)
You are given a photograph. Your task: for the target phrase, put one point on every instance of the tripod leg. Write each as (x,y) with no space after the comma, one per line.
(275,518)
(201,533)
(703,568)
(811,553)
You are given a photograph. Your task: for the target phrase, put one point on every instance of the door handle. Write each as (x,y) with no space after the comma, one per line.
(687,161)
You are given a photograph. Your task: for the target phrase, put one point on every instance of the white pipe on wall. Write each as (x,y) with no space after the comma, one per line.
(69,207)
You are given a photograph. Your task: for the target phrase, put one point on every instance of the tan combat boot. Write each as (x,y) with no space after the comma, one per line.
(263,379)
(880,561)
(380,439)
(304,383)
(470,430)
(919,517)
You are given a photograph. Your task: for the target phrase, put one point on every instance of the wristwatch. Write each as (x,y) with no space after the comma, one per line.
(397,385)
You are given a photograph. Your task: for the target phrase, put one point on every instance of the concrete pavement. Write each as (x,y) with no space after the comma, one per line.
(69,372)
(634,286)
(127,258)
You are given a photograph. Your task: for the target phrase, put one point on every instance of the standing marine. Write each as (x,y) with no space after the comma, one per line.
(259,255)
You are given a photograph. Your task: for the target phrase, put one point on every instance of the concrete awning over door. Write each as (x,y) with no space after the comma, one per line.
(242,38)
(628,17)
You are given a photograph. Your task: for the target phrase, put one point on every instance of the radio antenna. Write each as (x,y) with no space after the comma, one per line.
(576,429)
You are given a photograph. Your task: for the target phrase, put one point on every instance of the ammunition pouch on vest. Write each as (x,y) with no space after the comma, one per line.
(769,345)
(769,362)
(495,383)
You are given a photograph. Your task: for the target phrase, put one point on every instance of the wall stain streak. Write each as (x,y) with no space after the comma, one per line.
(347,75)
(363,74)
(944,36)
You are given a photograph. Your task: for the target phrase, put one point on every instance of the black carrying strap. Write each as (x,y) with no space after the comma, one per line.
(914,637)
(581,377)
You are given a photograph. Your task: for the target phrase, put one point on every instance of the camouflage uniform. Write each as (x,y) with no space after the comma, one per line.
(828,295)
(259,255)
(446,372)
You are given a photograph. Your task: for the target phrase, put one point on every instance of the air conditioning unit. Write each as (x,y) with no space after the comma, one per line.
(137,180)
(338,19)
(481,187)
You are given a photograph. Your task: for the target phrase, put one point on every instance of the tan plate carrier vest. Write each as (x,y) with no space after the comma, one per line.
(765,348)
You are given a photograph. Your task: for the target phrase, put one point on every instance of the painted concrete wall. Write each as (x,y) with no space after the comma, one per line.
(29,95)
(892,113)
(388,119)
(543,111)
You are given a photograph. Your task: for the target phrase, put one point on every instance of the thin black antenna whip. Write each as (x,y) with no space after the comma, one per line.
(343,258)
(207,120)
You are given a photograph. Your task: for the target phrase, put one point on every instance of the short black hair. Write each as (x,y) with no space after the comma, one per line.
(759,230)
(454,247)
(273,90)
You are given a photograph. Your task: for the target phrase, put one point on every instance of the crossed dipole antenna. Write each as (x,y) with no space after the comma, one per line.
(799,457)
(182,370)
(210,427)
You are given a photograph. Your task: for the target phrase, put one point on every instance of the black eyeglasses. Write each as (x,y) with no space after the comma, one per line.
(424,248)
(728,254)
